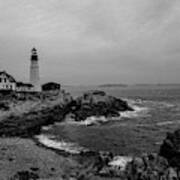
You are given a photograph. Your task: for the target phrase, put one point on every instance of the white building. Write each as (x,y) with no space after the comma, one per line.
(7,82)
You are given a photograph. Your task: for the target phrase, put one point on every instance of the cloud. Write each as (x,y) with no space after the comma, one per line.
(117,38)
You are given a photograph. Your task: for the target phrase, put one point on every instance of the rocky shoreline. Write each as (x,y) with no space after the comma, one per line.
(96,103)
(106,164)
(164,165)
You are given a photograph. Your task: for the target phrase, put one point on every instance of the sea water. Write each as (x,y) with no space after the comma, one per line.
(157,111)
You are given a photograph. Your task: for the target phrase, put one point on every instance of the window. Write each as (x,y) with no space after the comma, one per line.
(5,80)
(0,80)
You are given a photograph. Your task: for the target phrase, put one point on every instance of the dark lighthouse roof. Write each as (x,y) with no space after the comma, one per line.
(34,49)
(34,55)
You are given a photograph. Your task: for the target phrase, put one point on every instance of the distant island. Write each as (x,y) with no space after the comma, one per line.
(158,84)
(113,85)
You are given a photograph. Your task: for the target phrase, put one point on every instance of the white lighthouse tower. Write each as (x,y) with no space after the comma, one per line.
(34,70)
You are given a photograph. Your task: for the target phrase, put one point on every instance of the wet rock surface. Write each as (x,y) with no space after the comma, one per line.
(146,167)
(4,106)
(152,167)
(170,149)
(25,175)
(96,103)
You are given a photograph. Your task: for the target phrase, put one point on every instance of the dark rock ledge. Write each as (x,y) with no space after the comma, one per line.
(96,103)
(170,149)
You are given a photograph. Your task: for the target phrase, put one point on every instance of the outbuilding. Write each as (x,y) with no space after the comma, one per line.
(51,86)
(24,87)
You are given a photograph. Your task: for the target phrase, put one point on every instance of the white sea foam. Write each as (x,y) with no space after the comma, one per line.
(164,123)
(51,142)
(72,148)
(138,112)
(92,120)
(168,105)
(98,120)
(45,128)
(120,162)
(162,104)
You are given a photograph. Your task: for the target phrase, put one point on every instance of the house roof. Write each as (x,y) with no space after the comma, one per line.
(11,78)
(33,49)
(50,83)
(51,86)
(21,84)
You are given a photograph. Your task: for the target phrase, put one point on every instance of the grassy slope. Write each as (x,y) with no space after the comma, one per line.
(22,154)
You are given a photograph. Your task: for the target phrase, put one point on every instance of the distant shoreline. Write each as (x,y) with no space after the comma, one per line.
(121,85)
(113,85)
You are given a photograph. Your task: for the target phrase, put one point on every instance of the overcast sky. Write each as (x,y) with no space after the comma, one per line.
(92,41)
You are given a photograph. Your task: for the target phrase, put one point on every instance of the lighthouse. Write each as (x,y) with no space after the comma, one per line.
(34,70)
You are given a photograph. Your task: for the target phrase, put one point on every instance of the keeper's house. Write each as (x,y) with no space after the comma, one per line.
(8,83)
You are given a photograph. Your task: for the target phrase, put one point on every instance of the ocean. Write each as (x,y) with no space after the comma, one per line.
(157,111)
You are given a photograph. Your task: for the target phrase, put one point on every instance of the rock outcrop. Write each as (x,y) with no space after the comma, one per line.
(4,106)
(25,175)
(170,149)
(97,103)
(152,167)
(147,167)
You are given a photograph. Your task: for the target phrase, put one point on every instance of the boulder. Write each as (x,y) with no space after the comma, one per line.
(4,106)
(25,175)
(170,149)
(152,167)
(146,167)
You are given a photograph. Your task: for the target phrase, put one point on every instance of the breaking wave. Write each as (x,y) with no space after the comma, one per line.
(73,148)
(139,111)
(160,104)
(165,123)
(120,162)
(92,120)
(51,142)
